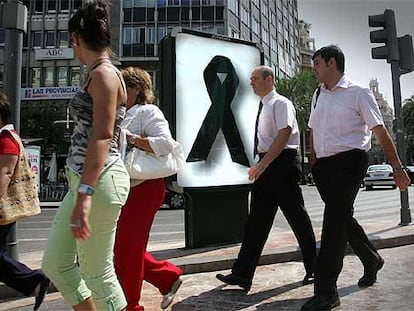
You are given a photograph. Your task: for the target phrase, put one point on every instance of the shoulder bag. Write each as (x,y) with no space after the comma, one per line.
(21,199)
(146,165)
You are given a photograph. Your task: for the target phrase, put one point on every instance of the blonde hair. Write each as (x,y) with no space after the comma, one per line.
(135,76)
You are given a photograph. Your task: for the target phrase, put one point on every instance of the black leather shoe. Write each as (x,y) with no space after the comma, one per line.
(308,279)
(233,279)
(370,274)
(44,284)
(322,302)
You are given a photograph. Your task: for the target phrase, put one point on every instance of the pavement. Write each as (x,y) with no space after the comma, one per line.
(277,282)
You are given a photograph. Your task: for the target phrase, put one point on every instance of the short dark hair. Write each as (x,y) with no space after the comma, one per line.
(327,52)
(5,111)
(92,23)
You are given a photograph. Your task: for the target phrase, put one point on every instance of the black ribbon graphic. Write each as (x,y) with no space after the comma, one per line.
(221,81)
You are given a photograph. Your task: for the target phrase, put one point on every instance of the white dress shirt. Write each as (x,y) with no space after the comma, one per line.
(277,113)
(342,118)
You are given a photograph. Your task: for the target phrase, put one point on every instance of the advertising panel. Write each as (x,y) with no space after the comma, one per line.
(33,156)
(213,106)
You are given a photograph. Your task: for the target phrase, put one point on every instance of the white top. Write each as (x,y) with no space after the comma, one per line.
(342,118)
(149,121)
(277,113)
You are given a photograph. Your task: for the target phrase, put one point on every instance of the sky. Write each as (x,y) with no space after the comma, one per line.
(345,23)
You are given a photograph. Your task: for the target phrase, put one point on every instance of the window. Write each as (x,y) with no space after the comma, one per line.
(255,26)
(75,76)
(127,4)
(1,74)
(265,35)
(35,77)
(151,35)
(2,36)
(140,3)
(49,38)
(173,2)
(64,5)
(161,32)
(62,76)
(208,13)
(51,5)
(161,3)
(63,39)
(49,76)
(234,6)
(245,18)
(38,6)
(36,39)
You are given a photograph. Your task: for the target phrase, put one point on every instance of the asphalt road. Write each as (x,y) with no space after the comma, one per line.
(371,206)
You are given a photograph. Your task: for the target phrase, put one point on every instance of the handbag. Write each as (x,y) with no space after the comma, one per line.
(21,199)
(146,165)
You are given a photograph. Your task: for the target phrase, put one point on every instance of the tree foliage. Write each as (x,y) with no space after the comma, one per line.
(408,117)
(299,89)
(37,121)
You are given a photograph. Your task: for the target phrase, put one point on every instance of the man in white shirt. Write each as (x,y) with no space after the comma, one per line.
(342,117)
(276,183)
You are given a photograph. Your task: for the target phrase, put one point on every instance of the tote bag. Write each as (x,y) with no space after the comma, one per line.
(21,199)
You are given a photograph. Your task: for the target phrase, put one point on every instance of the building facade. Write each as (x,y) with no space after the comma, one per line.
(306,46)
(376,154)
(139,25)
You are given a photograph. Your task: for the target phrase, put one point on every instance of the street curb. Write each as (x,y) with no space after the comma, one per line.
(190,266)
(212,263)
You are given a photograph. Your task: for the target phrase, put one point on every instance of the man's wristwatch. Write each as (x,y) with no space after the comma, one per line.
(86,189)
(132,139)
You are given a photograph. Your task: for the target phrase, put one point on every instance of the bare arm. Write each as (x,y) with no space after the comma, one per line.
(7,164)
(400,176)
(275,149)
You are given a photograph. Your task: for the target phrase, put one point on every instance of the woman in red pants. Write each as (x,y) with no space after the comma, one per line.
(147,129)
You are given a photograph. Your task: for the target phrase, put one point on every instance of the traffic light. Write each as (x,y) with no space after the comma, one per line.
(405,45)
(387,35)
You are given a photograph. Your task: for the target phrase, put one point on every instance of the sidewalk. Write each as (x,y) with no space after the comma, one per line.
(272,290)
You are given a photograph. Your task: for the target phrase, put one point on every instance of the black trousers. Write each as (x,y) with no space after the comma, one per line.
(338,179)
(14,273)
(277,187)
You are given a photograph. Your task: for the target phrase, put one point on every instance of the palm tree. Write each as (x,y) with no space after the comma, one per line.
(299,89)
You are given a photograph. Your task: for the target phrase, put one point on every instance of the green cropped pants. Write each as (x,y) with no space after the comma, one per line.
(83,269)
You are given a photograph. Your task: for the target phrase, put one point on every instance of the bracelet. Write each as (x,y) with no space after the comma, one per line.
(132,140)
(86,189)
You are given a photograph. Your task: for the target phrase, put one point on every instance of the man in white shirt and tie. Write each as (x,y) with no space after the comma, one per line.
(276,183)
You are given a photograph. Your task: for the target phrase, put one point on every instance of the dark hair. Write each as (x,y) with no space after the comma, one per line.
(92,23)
(5,112)
(327,52)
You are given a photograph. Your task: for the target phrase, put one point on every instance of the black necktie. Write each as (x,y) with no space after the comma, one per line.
(256,139)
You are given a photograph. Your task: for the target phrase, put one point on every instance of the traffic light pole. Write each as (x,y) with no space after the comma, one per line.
(395,71)
(14,17)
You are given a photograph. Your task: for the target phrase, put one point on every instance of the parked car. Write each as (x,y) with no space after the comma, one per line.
(410,172)
(174,200)
(379,175)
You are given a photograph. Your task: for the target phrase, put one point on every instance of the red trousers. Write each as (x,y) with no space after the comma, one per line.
(133,263)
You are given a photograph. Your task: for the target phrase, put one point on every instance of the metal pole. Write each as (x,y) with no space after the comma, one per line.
(395,70)
(12,81)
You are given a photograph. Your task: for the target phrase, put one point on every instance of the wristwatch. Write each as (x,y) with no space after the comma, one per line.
(132,139)
(86,189)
